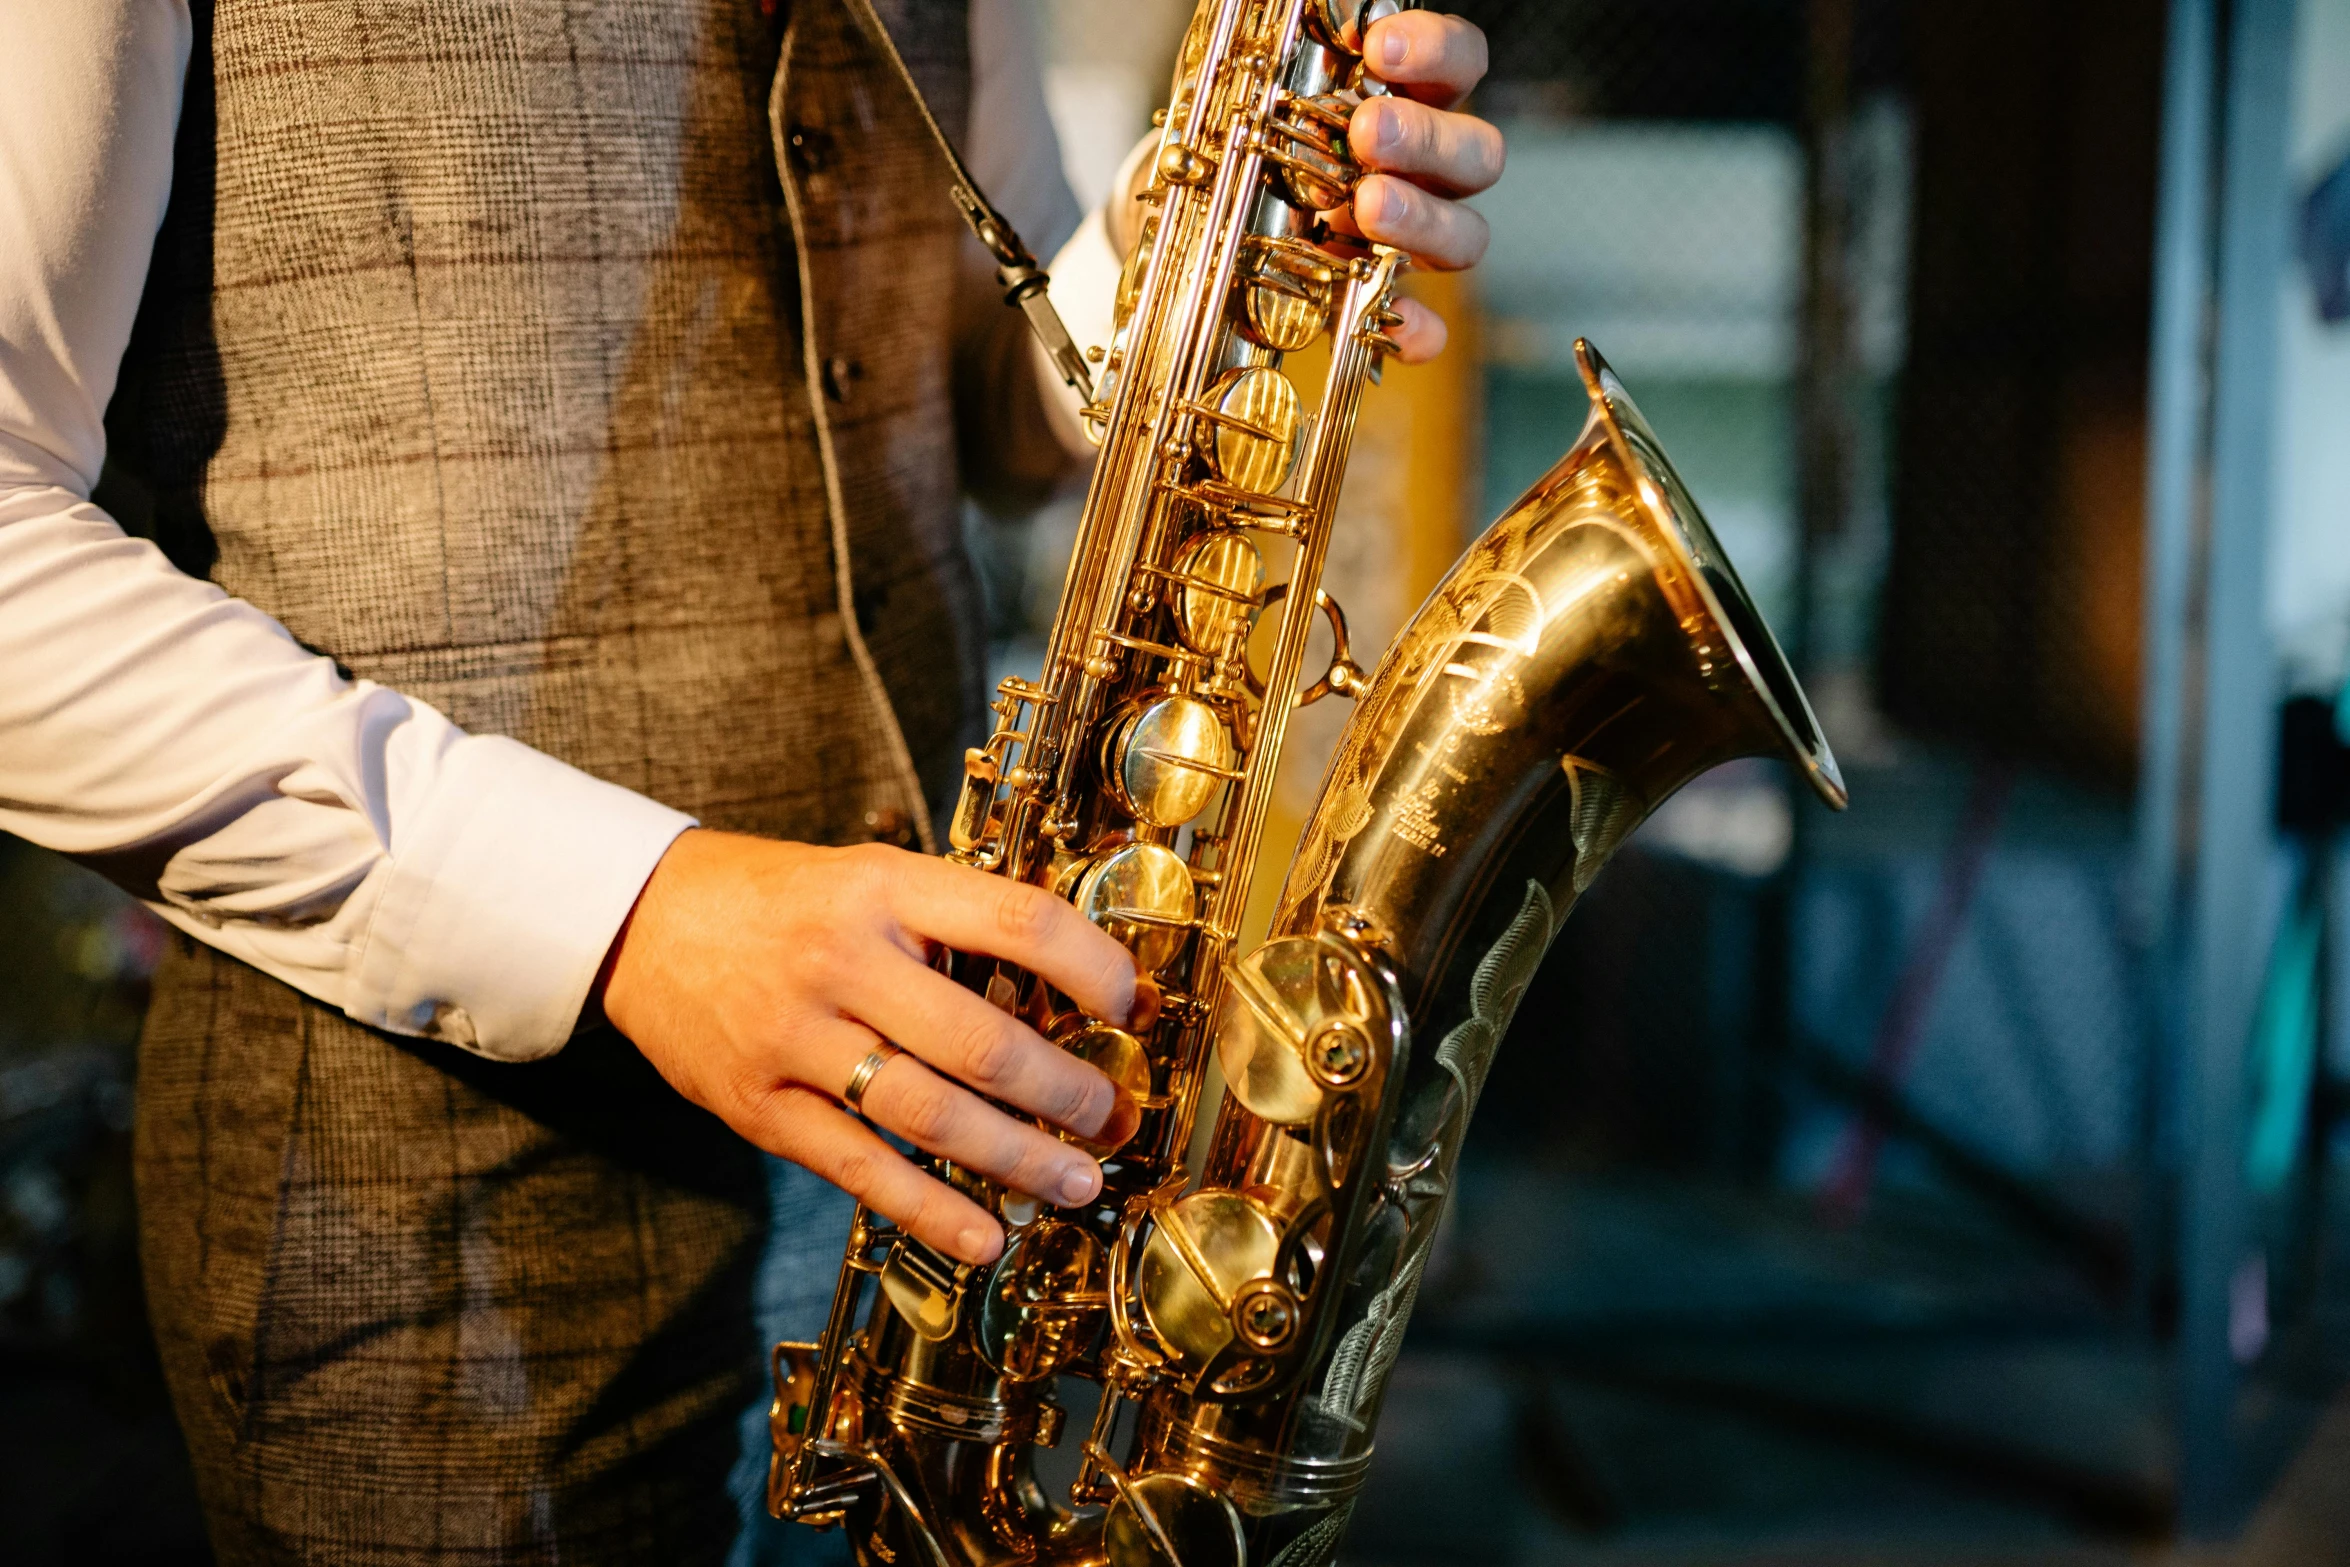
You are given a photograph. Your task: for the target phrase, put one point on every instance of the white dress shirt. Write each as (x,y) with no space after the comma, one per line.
(343,837)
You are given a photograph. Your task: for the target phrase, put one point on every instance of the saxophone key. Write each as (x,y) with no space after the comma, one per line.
(1167,757)
(972,826)
(926,1289)
(1042,1301)
(1118,1056)
(1172,1520)
(1218,577)
(1289,1035)
(1249,427)
(1281,315)
(1142,894)
(1204,1250)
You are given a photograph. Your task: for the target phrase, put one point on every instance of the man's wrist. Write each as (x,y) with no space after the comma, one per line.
(506,899)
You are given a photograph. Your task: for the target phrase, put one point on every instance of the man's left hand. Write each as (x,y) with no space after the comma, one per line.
(1425,155)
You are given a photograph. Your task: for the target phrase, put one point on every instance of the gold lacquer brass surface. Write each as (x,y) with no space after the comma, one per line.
(1170,759)
(1269,1007)
(1141,894)
(1204,1249)
(1172,1520)
(1590,653)
(1038,1311)
(1118,1056)
(1252,440)
(1282,315)
(922,1287)
(1219,574)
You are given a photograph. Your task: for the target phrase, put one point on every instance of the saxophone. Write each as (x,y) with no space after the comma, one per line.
(1588,655)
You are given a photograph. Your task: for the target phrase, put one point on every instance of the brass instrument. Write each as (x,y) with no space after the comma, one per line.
(1588,655)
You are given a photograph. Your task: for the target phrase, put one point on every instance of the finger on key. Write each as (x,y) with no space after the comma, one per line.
(969,1039)
(1450,154)
(1437,233)
(1421,335)
(955,1124)
(798,1123)
(1426,55)
(975,912)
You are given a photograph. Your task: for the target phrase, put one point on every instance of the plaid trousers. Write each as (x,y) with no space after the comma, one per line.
(421,1308)
(440,1310)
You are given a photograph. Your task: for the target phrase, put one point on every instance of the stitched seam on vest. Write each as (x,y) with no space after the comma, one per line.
(836,507)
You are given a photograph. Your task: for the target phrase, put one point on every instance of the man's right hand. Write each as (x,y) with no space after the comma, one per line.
(757,975)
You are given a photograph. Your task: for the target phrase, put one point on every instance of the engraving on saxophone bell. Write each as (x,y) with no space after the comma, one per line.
(1416,819)
(1601,813)
(1489,698)
(1168,758)
(1143,895)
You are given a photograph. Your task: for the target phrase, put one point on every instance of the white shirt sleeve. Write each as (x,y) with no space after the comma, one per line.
(1085,292)
(1012,150)
(340,836)
(1015,156)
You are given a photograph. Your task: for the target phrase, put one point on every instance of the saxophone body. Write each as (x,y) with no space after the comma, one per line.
(1588,655)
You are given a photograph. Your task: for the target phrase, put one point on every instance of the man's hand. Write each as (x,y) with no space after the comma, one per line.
(757,975)
(1425,154)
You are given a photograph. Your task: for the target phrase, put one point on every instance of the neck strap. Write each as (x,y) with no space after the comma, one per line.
(1023,280)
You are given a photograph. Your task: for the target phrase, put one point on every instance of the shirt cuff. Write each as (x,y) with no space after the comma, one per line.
(504,899)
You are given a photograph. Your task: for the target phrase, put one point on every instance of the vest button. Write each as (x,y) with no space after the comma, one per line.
(839,375)
(890,825)
(810,148)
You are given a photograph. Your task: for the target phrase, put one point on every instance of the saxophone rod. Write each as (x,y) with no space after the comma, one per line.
(1326,464)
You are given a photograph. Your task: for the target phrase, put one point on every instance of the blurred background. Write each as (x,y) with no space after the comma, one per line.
(1957,1180)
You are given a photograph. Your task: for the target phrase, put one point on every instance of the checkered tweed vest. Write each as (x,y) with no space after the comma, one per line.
(493,350)
(491,347)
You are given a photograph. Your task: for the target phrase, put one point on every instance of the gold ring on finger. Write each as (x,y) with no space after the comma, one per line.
(862,1078)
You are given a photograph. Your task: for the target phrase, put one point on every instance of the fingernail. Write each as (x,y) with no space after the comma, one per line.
(1079,1185)
(1392,49)
(976,1244)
